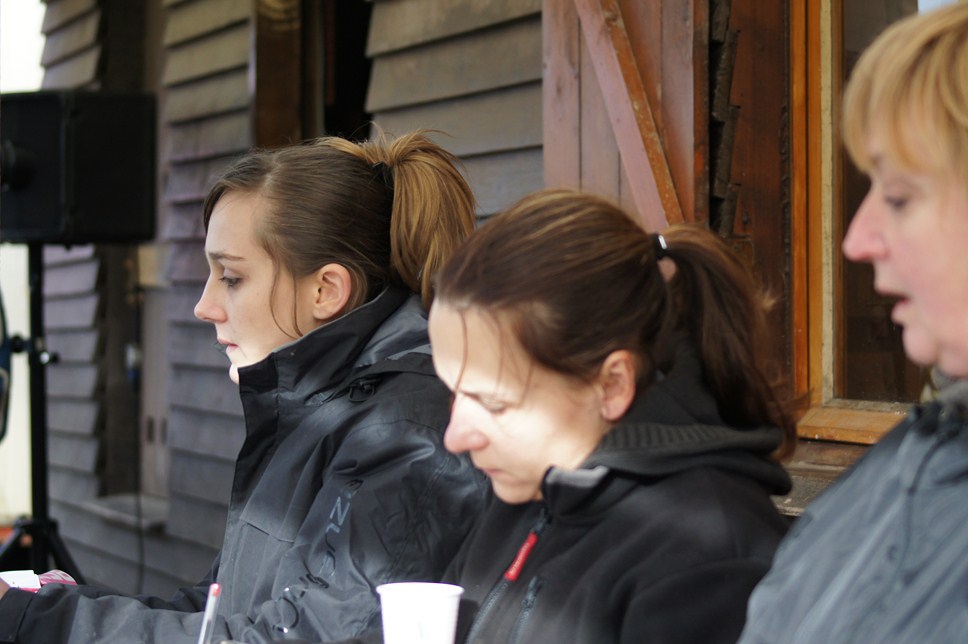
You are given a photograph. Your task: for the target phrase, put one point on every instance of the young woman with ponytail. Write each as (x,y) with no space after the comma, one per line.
(614,386)
(320,257)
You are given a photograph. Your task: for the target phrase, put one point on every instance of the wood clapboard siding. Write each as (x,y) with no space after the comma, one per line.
(206,97)
(212,137)
(61,12)
(72,303)
(517,108)
(206,121)
(199,19)
(404,23)
(73,416)
(499,56)
(472,71)
(72,40)
(219,52)
(194,344)
(221,436)
(74,345)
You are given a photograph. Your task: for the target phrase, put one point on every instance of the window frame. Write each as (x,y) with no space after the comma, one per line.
(816,231)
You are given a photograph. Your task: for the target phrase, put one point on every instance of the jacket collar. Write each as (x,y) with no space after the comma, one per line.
(328,355)
(673,426)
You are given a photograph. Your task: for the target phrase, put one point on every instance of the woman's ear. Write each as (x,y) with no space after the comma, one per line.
(617,381)
(334,286)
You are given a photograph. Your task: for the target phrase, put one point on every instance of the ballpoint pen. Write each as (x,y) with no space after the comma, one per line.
(208,619)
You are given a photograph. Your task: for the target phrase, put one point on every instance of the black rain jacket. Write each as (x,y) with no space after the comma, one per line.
(660,536)
(342,483)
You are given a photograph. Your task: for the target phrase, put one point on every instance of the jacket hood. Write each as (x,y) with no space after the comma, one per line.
(673,426)
(388,333)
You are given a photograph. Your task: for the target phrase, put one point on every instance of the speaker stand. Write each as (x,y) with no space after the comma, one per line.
(39,532)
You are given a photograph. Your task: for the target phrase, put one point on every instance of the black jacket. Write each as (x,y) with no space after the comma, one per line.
(882,554)
(659,537)
(342,483)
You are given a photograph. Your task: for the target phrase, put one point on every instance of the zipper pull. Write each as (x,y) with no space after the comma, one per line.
(514,570)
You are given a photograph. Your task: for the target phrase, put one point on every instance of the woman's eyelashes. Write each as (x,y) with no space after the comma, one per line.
(896,203)
(230,282)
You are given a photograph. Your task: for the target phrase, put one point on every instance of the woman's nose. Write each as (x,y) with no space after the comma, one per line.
(206,309)
(463,433)
(863,241)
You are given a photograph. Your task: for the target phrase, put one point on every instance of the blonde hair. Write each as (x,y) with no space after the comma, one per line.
(391,211)
(910,88)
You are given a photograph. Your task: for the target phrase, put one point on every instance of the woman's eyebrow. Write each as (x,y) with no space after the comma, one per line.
(222,256)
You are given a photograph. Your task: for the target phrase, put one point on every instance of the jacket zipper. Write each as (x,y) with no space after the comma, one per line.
(527,608)
(510,576)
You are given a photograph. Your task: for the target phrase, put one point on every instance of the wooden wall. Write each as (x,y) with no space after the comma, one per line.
(88,312)
(204,122)
(472,70)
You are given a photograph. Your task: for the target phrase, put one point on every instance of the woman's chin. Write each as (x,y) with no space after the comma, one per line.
(234,374)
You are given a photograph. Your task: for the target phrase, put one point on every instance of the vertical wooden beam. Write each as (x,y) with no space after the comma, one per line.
(561,94)
(631,114)
(799,231)
(277,76)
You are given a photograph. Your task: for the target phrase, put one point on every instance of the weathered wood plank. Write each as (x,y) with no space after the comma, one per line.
(277,73)
(61,12)
(500,57)
(211,435)
(601,164)
(561,94)
(80,345)
(223,51)
(500,179)
(848,426)
(194,19)
(71,313)
(72,452)
(195,345)
(78,380)
(201,477)
(186,261)
(405,23)
(207,390)
(212,137)
(225,92)
(506,119)
(70,486)
(72,39)
(73,416)
(183,222)
(70,279)
(222,135)
(642,149)
(74,72)
(181,302)
(191,181)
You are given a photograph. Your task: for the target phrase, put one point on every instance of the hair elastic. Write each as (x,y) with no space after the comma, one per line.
(384,173)
(661,248)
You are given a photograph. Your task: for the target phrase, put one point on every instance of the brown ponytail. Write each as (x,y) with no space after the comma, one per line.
(433,207)
(720,306)
(390,211)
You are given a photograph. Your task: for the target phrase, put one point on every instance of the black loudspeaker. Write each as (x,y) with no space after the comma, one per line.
(77,167)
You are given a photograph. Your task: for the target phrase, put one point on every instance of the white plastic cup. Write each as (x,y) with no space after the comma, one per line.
(417,612)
